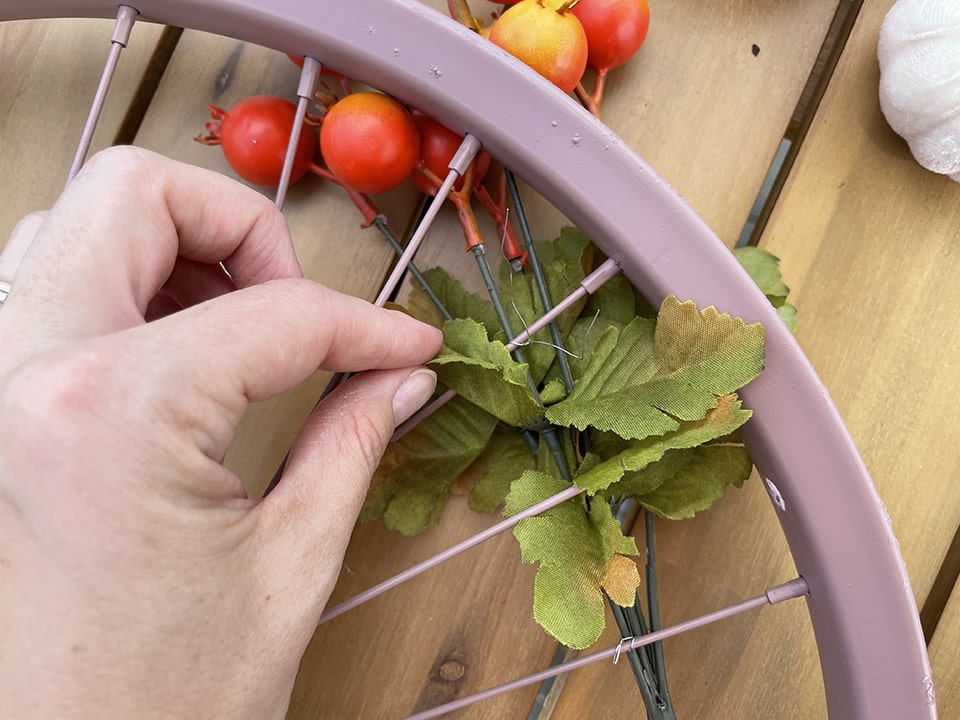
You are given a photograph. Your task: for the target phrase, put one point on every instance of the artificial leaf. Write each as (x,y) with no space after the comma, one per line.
(458,302)
(580,343)
(764,268)
(697,477)
(646,378)
(708,349)
(788,313)
(504,459)
(619,359)
(417,471)
(554,391)
(582,554)
(564,262)
(530,488)
(621,581)
(483,372)
(638,454)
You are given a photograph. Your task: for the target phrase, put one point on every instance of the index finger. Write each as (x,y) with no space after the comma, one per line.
(107,246)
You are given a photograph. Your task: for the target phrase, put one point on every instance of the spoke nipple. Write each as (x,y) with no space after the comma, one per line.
(465,154)
(795,588)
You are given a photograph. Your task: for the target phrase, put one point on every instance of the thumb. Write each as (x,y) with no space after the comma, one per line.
(308,518)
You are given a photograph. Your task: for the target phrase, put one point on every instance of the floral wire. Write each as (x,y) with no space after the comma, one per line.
(538,278)
(644,672)
(383,227)
(653,609)
(526,328)
(484,266)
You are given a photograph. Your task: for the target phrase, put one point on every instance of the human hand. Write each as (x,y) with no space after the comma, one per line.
(137,580)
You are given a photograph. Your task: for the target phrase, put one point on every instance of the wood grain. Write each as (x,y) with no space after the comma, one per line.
(869,241)
(51,69)
(870,244)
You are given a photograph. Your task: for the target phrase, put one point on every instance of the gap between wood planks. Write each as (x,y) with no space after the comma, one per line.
(147,87)
(780,168)
(833,45)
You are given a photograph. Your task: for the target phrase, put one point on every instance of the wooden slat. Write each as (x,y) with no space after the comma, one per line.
(870,244)
(869,241)
(945,658)
(51,69)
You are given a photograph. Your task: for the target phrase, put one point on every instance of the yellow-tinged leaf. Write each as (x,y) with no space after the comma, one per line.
(622,580)
(648,377)
(579,551)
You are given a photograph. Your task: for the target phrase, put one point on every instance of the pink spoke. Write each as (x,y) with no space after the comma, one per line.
(588,286)
(121,36)
(309,77)
(431,562)
(458,165)
(792,589)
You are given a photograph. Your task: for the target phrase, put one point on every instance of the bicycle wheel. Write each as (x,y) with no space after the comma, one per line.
(871,649)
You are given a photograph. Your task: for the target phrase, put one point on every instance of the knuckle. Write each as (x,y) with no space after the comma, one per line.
(54,401)
(125,159)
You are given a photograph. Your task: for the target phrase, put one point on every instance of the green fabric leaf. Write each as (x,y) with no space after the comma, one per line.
(553,391)
(707,349)
(691,480)
(531,487)
(503,460)
(638,454)
(582,554)
(483,372)
(788,313)
(764,268)
(565,261)
(416,473)
(579,344)
(455,298)
(648,377)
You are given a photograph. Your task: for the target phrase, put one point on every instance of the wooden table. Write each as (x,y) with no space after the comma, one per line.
(869,243)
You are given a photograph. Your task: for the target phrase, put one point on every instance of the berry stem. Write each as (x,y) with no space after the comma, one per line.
(460,11)
(592,101)
(497,210)
(362,201)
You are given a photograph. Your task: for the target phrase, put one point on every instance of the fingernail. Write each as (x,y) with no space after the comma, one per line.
(413,393)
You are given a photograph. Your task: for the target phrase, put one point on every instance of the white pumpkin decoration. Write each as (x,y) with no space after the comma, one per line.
(919,55)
